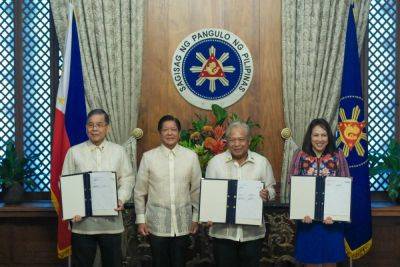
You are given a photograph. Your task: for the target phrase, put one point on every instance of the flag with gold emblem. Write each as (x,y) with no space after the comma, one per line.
(352,139)
(69,125)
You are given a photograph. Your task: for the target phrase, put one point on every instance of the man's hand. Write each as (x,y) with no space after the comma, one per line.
(76,218)
(328,220)
(143,229)
(209,224)
(120,206)
(264,194)
(194,227)
(307,219)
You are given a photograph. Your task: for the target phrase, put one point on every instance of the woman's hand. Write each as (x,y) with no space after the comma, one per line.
(328,220)
(307,219)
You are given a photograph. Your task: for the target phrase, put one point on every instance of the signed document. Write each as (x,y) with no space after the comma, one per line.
(231,201)
(249,204)
(337,198)
(89,194)
(320,197)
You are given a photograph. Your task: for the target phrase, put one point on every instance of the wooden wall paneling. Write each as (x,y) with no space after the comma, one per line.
(257,23)
(5,252)
(32,240)
(271,81)
(385,243)
(153,76)
(243,19)
(28,234)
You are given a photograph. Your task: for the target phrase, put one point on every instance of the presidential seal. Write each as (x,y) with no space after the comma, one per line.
(351,132)
(212,66)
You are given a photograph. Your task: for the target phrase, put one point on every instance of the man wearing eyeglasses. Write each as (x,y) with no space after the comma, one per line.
(98,154)
(167,196)
(239,245)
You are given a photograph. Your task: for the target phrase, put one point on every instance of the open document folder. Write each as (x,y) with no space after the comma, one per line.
(320,197)
(231,201)
(89,194)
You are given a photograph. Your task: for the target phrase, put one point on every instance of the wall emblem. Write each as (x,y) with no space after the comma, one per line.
(212,66)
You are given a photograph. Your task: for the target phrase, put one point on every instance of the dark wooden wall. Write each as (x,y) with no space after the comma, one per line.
(28,235)
(385,250)
(256,22)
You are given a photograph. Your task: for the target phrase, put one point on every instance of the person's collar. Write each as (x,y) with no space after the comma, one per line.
(166,150)
(250,157)
(93,147)
(318,154)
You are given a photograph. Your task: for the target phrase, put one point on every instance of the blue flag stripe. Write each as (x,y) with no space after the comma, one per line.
(75,118)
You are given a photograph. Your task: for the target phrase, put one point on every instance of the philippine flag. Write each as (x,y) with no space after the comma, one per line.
(68,126)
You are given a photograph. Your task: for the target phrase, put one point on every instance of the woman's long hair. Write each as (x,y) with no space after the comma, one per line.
(307,146)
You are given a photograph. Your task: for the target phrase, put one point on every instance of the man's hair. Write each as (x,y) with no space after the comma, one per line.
(168,118)
(238,124)
(98,111)
(307,145)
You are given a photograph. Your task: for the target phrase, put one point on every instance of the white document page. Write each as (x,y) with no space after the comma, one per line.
(302,197)
(337,198)
(249,204)
(213,200)
(104,193)
(72,196)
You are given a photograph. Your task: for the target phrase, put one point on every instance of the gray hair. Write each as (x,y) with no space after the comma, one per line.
(238,124)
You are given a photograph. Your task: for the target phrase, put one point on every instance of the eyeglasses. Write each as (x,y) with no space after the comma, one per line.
(98,125)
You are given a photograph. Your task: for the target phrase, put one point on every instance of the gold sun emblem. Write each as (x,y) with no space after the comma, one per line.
(212,69)
(351,132)
(61,100)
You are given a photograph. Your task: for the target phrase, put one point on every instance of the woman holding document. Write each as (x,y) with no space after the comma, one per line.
(319,242)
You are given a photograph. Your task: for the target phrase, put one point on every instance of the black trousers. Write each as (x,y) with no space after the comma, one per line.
(228,253)
(169,251)
(84,250)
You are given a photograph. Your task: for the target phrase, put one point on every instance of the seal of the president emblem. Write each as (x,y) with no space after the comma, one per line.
(212,66)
